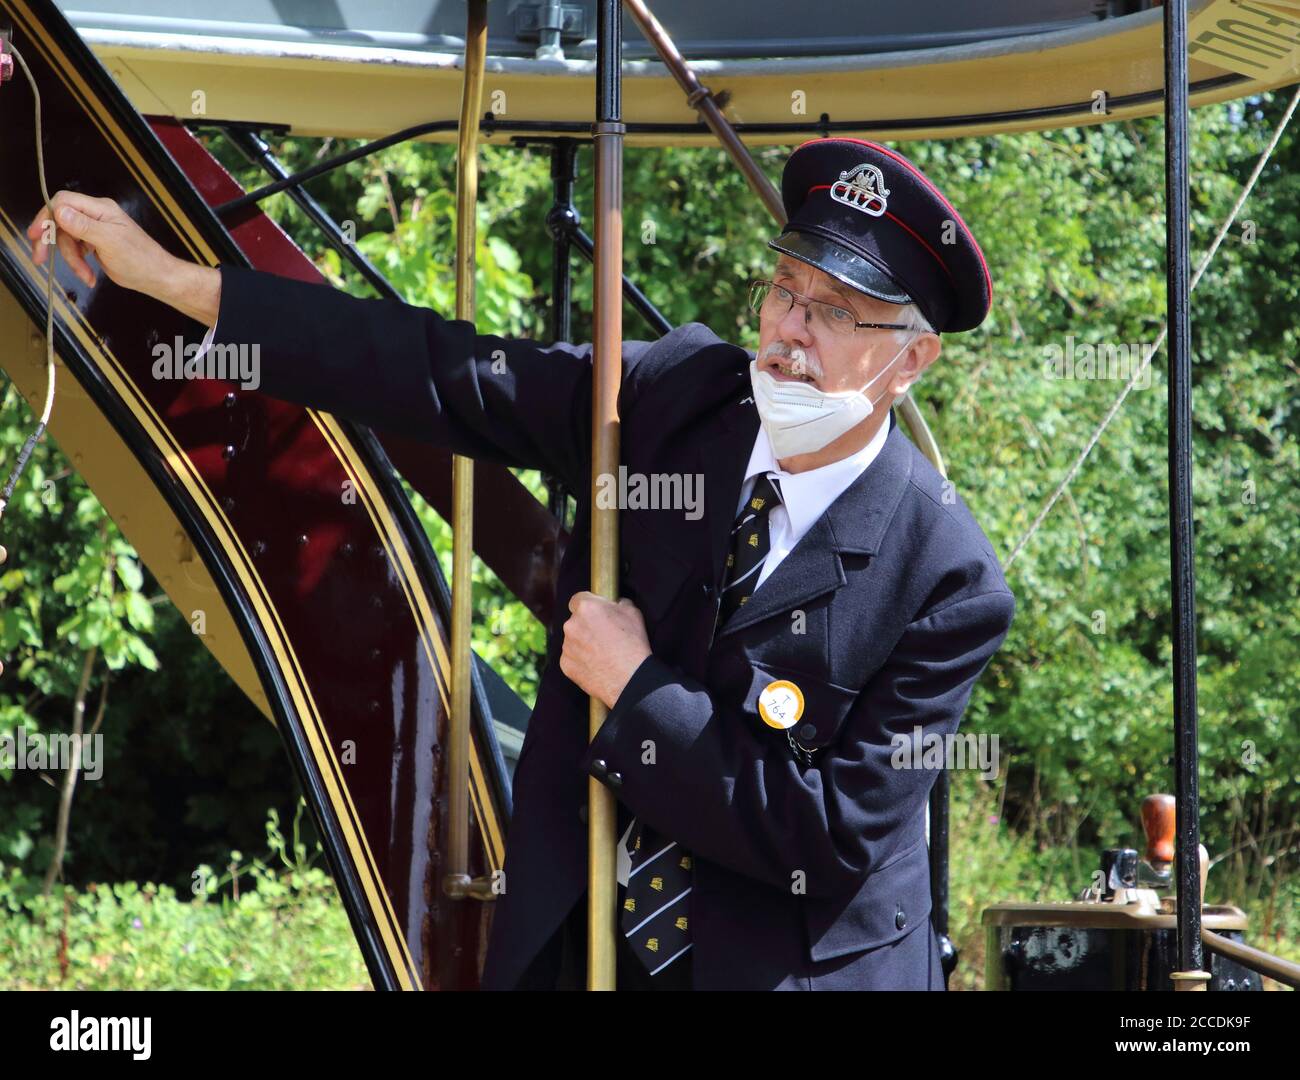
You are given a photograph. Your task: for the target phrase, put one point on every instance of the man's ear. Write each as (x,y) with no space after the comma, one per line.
(923,352)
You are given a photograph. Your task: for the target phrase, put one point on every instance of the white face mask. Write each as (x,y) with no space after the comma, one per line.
(800,419)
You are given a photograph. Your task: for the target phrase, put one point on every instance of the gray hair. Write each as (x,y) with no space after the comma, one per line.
(914,319)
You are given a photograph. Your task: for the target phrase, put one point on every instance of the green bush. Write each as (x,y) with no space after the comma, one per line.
(273,924)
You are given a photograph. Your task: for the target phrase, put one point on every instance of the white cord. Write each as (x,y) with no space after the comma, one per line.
(32,439)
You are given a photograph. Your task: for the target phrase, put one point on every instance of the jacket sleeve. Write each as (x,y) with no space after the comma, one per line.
(740,799)
(406,369)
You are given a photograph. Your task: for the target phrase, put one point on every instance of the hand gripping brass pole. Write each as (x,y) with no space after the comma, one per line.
(607,373)
(457,882)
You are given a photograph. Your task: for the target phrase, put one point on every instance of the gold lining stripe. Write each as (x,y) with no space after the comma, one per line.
(296,683)
(313,727)
(183,227)
(489,825)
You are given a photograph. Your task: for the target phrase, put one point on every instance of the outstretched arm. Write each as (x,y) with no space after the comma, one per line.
(390,365)
(411,371)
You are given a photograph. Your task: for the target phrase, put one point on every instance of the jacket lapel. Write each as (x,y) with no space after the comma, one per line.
(722,460)
(854,523)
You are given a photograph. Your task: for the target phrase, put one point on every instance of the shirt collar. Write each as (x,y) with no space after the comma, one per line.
(806,495)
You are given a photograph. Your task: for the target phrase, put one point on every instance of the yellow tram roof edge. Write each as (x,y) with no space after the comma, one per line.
(360,92)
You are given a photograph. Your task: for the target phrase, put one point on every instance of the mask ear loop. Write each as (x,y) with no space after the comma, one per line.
(907,345)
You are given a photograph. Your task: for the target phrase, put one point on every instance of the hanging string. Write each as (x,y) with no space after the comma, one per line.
(1146,360)
(26,452)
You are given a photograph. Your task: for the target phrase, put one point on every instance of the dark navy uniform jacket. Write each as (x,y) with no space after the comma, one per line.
(884,615)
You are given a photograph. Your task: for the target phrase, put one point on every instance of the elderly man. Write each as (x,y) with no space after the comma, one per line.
(772,655)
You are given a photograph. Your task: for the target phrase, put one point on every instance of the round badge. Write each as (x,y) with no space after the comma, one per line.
(780,704)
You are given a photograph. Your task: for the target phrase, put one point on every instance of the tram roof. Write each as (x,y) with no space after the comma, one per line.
(945,68)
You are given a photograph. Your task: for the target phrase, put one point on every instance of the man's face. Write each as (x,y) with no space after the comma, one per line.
(830,361)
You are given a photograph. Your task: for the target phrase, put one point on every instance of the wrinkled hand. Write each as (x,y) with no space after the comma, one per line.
(604,643)
(84,226)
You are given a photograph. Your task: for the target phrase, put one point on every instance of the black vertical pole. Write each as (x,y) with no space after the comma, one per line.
(560,221)
(939,897)
(1181,542)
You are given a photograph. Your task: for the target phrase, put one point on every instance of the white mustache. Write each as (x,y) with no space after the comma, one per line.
(800,362)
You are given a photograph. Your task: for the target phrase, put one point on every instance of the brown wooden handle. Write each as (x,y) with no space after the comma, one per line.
(1158,818)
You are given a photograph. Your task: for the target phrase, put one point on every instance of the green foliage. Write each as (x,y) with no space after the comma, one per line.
(71,587)
(1080,695)
(273,924)
(1072,224)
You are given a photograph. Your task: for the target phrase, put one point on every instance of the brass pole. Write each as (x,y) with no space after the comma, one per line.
(607,374)
(701,98)
(457,881)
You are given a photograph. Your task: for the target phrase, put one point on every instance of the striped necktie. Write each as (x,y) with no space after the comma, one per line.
(655,918)
(750,544)
(655,904)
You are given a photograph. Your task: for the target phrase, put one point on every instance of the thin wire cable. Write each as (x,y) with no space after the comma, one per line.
(35,436)
(1146,360)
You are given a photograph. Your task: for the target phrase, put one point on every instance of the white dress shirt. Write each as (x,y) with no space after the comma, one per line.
(804,498)
(804,495)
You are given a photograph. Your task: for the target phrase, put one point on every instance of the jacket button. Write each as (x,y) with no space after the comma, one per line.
(900,920)
(614,780)
(599,766)
(808,732)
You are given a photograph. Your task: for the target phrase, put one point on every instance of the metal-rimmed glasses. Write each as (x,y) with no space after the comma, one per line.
(767,298)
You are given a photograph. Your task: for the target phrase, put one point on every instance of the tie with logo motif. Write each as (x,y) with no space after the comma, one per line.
(655,904)
(750,544)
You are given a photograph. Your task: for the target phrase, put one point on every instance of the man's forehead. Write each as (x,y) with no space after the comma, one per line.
(792,267)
